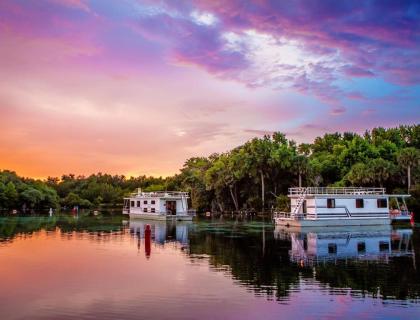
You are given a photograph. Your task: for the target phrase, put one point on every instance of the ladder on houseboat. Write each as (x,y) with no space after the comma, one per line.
(302,197)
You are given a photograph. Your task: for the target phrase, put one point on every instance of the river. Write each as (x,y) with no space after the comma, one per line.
(107,267)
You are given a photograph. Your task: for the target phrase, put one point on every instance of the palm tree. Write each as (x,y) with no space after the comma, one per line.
(381,171)
(409,158)
(302,167)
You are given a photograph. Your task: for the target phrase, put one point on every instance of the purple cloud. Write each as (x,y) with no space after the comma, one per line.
(357,72)
(337,111)
(345,39)
(191,43)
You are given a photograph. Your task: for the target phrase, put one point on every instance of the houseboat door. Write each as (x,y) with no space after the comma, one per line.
(171,207)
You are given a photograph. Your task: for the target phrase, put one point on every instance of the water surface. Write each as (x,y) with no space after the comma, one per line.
(66,267)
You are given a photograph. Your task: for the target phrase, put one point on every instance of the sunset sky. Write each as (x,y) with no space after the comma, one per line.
(137,87)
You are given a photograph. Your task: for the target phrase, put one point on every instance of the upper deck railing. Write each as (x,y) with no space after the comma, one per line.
(161,194)
(332,190)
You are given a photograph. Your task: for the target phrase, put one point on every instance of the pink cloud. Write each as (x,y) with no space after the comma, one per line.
(112,86)
(357,72)
(337,111)
(75,4)
(355,95)
(368,112)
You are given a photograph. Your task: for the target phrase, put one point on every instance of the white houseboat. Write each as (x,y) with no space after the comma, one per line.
(159,205)
(324,207)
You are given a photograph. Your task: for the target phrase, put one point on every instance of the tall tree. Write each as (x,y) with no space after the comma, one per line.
(258,161)
(409,158)
(11,195)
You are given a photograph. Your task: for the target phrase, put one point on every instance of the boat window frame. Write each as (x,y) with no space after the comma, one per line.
(331,203)
(138,204)
(144,201)
(361,247)
(132,203)
(382,203)
(152,201)
(358,201)
(152,210)
(384,246)
(332,246)
(144,209)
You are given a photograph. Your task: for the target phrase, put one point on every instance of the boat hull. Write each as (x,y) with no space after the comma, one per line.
(332,222)
(334,229)
(161,217)
(400,219)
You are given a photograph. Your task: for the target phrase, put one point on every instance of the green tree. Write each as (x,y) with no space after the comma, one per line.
(73,199)
(11,195)
(193,180)
(32,197)
(381,171)
(302,167)
(409,158)
(359,175)
(258,161)
(2,195)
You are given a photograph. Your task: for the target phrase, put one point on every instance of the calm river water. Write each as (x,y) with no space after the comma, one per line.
(66,267)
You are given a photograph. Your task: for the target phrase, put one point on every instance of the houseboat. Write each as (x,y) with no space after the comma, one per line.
(160,205)
(326,207)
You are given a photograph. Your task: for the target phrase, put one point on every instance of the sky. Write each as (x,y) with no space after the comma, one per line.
(137,87)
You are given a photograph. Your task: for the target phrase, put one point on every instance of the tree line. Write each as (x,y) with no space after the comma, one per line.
(252,176)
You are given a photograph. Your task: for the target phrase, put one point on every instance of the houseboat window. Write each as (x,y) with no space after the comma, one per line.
(382,203)
(132,203)
(138,203)
(144,209)
(360,203)
(152,210)
(361,247)
(145,201)
(153,202)
(383,246)
(330,203)
(332,248)
(304,207)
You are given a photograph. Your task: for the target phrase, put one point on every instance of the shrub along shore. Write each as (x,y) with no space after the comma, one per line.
(253,176)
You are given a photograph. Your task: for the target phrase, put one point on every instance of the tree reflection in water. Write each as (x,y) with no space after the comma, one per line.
(269,261)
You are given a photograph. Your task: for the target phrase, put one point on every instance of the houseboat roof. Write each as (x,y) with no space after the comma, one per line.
(351,191)
(159,194)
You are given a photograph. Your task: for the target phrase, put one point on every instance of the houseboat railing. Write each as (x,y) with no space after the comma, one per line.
(288,215)
(161,194)
(336,190)
(192,212)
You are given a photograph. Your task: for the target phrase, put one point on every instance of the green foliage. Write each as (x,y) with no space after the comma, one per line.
(250,176)
(409,157)
(25,193)
(269,165)
(282,203)
(32,197)
(72,200)
(155,187)
(10,195)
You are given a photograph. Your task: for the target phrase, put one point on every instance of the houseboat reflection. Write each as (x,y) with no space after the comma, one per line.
(160,232)
(309,247)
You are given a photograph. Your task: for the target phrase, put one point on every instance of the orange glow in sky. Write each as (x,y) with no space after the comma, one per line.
(137,87)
